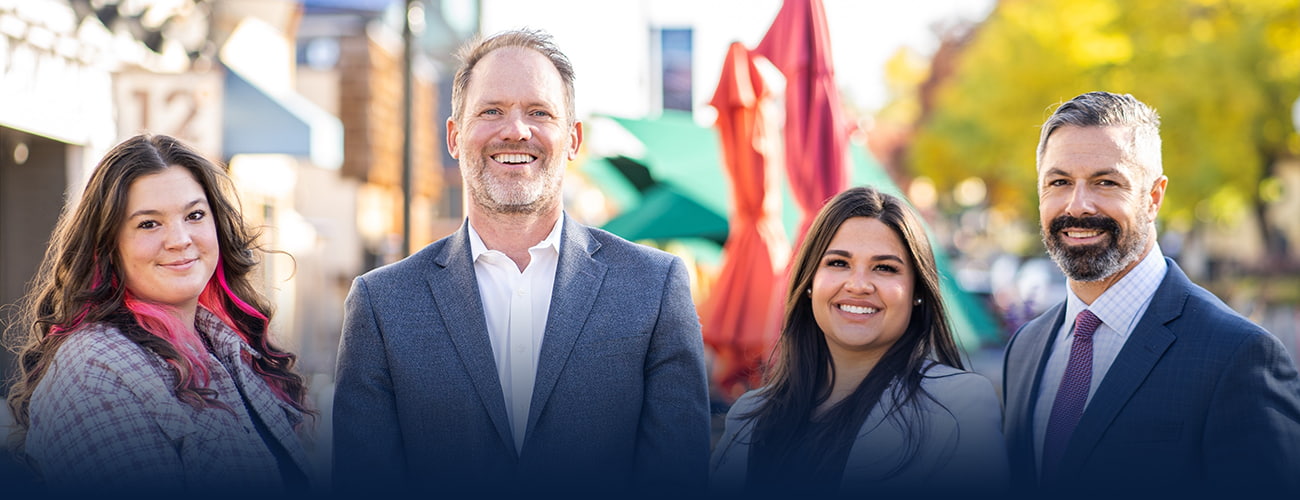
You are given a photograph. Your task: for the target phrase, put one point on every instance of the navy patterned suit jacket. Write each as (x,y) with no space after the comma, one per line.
(620,400)
(1199,399)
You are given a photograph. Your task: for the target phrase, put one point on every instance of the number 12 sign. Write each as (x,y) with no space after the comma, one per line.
(183,105)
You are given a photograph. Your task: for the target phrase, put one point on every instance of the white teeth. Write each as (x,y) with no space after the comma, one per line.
(513,158)
(1082,234)
(857,309)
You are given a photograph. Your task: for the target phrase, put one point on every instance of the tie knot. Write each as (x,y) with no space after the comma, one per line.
(1086,323)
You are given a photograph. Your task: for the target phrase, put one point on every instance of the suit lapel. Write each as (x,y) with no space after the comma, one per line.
(578,278)
(279,417)
(1144,348)
(455,293)
(1025,380)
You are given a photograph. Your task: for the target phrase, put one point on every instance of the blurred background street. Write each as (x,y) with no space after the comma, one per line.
(330,115)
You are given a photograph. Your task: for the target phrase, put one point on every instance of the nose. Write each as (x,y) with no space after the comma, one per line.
(1080,203)
(178,236)
(516,128)
(859,283)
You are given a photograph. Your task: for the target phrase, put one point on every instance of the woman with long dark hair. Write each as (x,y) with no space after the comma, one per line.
(867,390)
(144,357)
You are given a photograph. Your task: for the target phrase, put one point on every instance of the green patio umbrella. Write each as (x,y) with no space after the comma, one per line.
(665,212)
(677,189)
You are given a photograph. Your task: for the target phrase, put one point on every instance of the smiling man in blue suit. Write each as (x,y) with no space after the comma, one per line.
(1141,381)
(526,353)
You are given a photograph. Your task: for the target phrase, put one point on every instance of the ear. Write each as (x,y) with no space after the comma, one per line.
(1157,194)
(453,134)
(575,140)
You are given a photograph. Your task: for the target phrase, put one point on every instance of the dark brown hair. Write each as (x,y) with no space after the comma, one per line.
(802,375)
(79,283)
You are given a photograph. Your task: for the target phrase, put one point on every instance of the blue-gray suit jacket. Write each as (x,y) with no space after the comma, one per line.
(620,400)
(1198,400)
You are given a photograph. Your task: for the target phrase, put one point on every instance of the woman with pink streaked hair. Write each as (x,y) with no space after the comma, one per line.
(145,360)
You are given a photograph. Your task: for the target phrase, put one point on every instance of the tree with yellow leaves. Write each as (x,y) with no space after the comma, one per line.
(1223,74)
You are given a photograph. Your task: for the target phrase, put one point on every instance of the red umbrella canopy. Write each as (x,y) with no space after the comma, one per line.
(742,315)
(816,128)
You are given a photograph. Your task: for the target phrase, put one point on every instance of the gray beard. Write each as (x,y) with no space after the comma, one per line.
(1100,261)
(513,195)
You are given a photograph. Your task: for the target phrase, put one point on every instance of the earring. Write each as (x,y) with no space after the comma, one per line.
(916,302)
(810,292)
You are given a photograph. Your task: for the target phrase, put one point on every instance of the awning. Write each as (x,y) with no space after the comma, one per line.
(257,121)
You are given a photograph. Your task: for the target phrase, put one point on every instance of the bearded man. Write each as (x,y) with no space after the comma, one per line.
(526,354)
(1141,382)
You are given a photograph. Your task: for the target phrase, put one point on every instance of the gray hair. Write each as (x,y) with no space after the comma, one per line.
(1104,109)
(472,52)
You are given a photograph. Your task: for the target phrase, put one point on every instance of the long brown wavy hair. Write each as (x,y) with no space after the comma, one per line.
(803,373)
(79,282)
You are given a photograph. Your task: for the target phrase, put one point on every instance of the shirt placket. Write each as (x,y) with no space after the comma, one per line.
(522,366)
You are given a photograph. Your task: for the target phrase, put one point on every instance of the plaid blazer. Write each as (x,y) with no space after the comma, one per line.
(105,417)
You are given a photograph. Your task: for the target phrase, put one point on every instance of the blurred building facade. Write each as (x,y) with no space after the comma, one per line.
(69,91)
(302,100)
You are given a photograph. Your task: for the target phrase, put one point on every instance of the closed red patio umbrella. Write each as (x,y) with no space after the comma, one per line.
(816,128)
(741,317)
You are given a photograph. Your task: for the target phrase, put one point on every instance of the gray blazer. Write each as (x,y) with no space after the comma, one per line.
(957,431)
(620,400)
(105,418)
(1198,397)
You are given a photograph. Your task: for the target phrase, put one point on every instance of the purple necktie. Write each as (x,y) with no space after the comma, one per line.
(1072,394)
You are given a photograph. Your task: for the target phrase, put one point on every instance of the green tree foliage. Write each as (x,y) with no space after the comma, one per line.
(1223,74)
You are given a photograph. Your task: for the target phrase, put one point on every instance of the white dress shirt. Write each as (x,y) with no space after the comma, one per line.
(516,305)
(1119,308)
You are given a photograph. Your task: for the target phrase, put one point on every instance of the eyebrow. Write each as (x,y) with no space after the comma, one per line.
(152,211)
(1054,171)
(844,253)
(508,102)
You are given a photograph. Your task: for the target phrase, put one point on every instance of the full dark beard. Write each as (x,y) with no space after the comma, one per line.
(1094,262)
